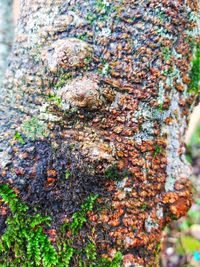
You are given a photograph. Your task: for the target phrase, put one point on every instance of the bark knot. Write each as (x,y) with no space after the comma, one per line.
(68,54)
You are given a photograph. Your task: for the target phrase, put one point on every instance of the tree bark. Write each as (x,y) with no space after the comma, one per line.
(6,34)
(97,100)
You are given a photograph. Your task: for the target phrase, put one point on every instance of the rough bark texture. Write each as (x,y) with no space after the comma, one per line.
(6,33)
(96,101)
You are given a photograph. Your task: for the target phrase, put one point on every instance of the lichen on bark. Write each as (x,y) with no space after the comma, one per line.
(123,108)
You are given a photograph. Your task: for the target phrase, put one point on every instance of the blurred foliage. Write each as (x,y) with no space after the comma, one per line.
(195,139)
(195,73)
(187,244)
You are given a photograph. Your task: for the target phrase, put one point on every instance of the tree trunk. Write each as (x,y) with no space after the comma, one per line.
(6,34)
(96,104)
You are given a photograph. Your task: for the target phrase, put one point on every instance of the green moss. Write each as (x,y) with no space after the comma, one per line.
(160,107)
(116,262)
(158,150)
(195,72)
(83,36)
(91,17)
(80,217)
(18,137)
(166,53)
(144,207)
(24,237)
(67,174)
(25,243)
(169,72)
(101,5)
(55,99)
(63,78)
(34,128)
(92,259)
(103,10)
(87,60)
(105,7)
(113,173)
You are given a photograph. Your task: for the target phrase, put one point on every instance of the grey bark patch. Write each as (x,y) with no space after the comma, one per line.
(6,34)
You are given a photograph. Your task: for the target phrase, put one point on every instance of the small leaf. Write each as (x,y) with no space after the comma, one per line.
(188,245)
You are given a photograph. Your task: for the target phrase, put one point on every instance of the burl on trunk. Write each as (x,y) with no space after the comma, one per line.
(94,109)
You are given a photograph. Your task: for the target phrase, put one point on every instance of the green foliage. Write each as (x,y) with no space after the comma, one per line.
(195,72)
(34,128)
(187,244)
(65,253)
(195,139)
(19,138)
(188,157)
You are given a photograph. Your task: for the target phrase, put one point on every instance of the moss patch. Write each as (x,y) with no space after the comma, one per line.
(25,242)
(18,137)
(34,128)
(113,173)
(63,78)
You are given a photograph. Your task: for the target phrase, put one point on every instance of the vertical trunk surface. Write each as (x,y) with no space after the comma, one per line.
(6,33)
(96,103)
